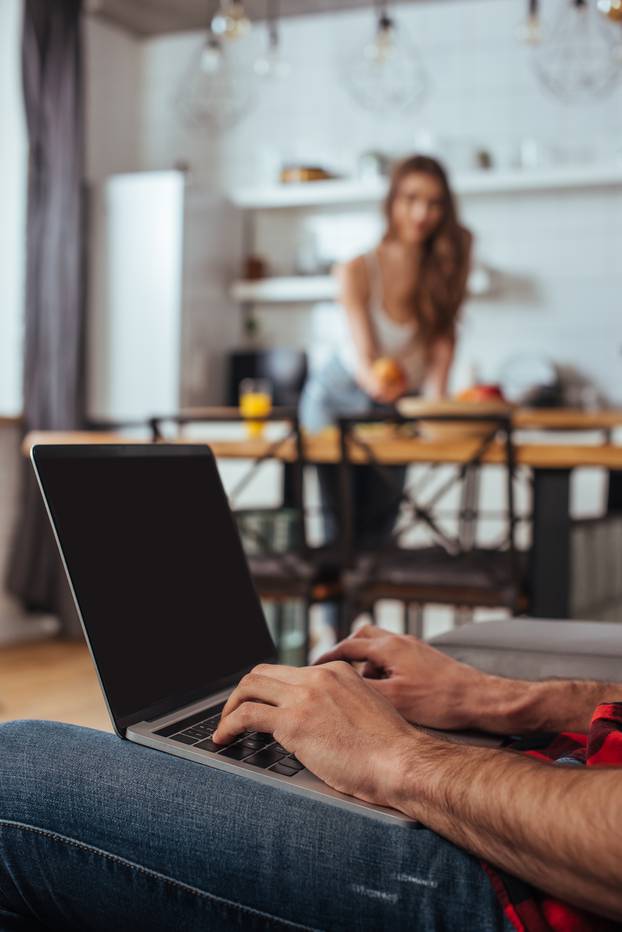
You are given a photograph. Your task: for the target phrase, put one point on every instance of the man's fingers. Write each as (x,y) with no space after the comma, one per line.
(370,631)
(353,649)
(365,632)
(258,687)
(279,671)
(371,672)
(250,716)
(382,686)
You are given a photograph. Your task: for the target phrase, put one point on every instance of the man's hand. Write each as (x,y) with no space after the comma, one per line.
(339,728)
(424,685)
(429,688)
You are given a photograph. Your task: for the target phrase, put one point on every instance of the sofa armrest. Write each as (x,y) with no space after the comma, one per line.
(537,649)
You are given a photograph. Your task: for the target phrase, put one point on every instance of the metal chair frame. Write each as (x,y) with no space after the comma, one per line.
(466,473)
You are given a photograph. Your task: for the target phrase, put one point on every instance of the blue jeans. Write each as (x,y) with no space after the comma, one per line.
(329,393)
(98,833)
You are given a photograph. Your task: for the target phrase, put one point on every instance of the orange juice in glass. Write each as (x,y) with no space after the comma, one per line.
(255,401)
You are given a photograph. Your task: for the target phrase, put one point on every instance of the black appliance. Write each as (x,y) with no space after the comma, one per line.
(286,369)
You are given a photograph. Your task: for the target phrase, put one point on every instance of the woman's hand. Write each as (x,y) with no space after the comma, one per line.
(340,729)
(424,685)
(377,388)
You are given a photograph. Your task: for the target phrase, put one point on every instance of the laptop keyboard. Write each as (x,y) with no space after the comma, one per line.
(252,747)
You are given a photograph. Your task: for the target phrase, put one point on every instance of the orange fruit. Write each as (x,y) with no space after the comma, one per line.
(388,371)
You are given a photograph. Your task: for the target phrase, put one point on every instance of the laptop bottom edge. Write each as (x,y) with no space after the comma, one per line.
(303,783)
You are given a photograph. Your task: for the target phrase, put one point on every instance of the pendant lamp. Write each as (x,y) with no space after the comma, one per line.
(385,73)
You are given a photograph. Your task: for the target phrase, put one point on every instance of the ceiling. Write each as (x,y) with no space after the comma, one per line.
(154,17)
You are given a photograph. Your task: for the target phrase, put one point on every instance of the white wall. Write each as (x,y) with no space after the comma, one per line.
(558,253)
(113,101)
(13,176)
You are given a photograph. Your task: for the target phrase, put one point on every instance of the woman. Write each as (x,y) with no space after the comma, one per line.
(401,304)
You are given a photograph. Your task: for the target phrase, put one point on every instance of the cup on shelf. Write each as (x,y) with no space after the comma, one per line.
(254,269)
(255,398)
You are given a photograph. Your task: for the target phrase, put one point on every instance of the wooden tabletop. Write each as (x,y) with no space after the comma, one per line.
(566,419)
(570,419)
(387,448)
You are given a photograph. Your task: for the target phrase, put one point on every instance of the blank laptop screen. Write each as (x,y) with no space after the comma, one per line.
(158,571)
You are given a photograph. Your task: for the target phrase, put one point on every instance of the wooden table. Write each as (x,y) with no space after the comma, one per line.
(551,461)
(388,449)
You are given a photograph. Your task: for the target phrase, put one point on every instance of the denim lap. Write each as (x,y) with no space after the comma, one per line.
(98,833)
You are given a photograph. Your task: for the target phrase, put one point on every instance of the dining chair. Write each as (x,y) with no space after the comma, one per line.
(434,554)
(284,566)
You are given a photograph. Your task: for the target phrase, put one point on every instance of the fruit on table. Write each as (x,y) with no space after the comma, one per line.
(389,371)
(480,393)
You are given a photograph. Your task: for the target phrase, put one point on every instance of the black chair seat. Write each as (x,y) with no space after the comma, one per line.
(281,566)
(294,572)
(433,567)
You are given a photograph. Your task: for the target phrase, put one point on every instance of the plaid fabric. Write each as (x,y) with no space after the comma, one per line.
(528,909)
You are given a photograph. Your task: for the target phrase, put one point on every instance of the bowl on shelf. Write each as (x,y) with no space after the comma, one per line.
(458,429)
(300,174)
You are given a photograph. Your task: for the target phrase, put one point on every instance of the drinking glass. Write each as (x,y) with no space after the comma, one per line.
(255,401)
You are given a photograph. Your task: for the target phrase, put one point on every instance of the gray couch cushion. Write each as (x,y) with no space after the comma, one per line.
(534,649)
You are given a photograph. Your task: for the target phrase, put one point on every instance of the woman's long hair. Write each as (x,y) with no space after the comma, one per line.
(437,295)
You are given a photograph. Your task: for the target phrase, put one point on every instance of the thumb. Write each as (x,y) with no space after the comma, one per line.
(354,649)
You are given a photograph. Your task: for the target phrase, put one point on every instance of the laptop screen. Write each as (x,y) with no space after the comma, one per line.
(158,571)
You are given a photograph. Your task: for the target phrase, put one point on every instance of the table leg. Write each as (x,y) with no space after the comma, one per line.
(550,550)
(614,497)
(290,495)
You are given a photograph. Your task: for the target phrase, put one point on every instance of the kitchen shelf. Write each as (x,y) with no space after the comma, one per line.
(340,192)
(293,289)
(309,288)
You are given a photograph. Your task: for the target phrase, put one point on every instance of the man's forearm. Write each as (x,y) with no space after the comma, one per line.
(557,828)
(515,706)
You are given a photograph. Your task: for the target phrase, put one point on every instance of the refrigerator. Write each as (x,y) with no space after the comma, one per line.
(162,253)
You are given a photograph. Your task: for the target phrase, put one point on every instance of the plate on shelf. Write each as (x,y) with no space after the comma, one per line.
(452,430)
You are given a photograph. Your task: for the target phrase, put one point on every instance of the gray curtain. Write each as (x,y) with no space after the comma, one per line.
(54,313)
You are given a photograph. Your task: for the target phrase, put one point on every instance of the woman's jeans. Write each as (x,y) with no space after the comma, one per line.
(375,501)
(98,833)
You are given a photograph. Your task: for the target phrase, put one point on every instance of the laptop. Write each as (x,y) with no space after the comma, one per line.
(166,600)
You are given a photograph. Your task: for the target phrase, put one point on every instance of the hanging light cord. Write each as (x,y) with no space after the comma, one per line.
(382,13)
(272,16)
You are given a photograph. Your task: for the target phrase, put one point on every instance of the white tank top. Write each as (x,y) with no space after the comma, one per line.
(397,340)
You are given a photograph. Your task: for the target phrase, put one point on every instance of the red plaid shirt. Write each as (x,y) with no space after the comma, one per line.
(528,909)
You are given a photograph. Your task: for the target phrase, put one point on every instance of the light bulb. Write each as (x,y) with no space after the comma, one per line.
(531,31)
(231,21)
(578,59)
(384,42)
(211,56)
(217,89)
(611,8)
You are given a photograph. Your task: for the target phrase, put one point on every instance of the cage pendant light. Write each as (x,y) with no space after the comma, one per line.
(217,89)
(579,56)
(385,73)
